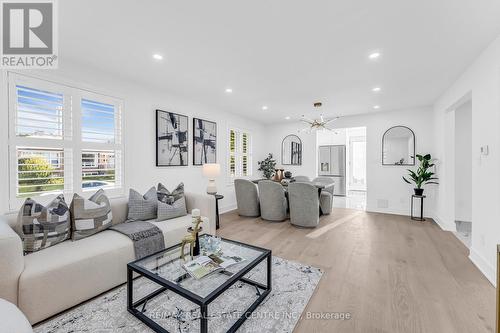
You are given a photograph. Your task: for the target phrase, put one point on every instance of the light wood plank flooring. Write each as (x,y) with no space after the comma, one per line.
(392,274)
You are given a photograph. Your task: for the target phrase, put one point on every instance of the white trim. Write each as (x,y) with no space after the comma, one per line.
(443,224)
(482,264)
(227,209)
(71,137)
(239,154)
(64,81)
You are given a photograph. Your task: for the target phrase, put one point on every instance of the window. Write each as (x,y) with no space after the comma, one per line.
(39,171)
(39,113)
(98,169)
(240,153)
(61,139)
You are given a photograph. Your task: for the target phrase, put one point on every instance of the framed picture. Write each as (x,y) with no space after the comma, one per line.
(296,153)
(171,139)
(204,141)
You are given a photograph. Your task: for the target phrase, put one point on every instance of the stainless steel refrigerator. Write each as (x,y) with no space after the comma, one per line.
(332,163)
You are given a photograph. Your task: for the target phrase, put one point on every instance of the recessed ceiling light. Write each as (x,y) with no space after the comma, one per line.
(376,89)
(265,107)
(157,56)
(376,107)
(287,117)
(229,90)
(374,55)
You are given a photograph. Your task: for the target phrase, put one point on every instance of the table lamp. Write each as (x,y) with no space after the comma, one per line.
(211,171)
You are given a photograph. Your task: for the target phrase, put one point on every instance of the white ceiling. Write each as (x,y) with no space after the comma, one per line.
(285,54)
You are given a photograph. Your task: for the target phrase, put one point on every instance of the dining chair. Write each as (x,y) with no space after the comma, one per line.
(329,183)
(273,202)
(302,179)
(247,198)
(304,204)
(326,196)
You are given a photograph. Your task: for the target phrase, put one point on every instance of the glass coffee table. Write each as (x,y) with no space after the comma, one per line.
(165,269)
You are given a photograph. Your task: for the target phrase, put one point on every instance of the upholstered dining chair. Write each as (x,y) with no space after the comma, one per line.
(273,202)
(304,204)
(329,183)
(247,198)
(326,197)
(302,179)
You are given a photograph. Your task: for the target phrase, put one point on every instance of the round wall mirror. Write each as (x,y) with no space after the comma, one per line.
(291,150)
(398,146)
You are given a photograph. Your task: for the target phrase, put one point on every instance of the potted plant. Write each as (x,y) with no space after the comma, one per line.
(422,176)
(267,166)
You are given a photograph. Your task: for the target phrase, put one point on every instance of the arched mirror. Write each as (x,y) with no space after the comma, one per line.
(398,146)
(291,150)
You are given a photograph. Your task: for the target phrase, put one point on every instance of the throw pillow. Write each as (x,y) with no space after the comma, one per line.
(171,204)
(90,216)
(43,226)
(142,207)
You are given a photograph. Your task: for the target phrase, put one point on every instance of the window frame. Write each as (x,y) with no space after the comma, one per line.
(239,154)
(71,142)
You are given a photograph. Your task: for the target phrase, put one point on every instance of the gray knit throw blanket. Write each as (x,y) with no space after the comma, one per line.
(147,237)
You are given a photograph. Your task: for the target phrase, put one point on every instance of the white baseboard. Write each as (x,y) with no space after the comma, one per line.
(387,211)
(227,209)
(443,224)
(402,212)
(483,265)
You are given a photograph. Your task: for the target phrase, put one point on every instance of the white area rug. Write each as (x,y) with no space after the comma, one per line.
(292,286)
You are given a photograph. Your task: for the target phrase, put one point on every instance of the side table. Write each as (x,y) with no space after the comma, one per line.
(421,197)
(217,198)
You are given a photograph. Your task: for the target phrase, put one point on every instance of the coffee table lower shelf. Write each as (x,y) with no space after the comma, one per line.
(166,285)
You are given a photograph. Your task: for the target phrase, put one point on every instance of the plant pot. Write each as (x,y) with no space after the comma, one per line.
(419,191)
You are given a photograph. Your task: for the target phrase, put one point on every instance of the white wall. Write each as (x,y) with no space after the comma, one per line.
(386,191)
(481,81)
(140,103)
(463,162)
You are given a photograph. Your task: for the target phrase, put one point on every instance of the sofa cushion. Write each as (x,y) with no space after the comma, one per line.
(168,212)
(12,319)
(43,226)
(69,273)
(164,195)
(142,207)
(90,216)
(171,204)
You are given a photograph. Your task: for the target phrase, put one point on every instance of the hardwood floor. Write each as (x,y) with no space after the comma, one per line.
(390,273)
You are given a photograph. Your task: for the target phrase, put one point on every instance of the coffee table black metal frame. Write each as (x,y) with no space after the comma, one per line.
(203,302)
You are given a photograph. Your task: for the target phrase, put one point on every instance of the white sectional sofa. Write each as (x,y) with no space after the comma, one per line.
(52,280)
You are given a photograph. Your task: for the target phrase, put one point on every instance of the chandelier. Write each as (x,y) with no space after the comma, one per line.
(317,124)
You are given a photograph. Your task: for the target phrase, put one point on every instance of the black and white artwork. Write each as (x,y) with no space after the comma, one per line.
(291,150)
(171,139)
(296,153)
(204,141)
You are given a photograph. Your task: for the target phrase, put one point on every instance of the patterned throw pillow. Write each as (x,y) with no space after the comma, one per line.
(171,204)
(42,226)
(142,207)
(90,216)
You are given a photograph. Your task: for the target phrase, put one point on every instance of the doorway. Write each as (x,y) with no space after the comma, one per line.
(463,171)
(342,156)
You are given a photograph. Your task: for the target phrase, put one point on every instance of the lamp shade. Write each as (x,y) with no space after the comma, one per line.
(211,170)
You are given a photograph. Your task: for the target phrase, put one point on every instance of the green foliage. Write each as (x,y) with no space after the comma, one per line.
(422,176)
(41,176)
(267,166)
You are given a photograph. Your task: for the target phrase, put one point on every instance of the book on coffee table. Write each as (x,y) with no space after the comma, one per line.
(205,265)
